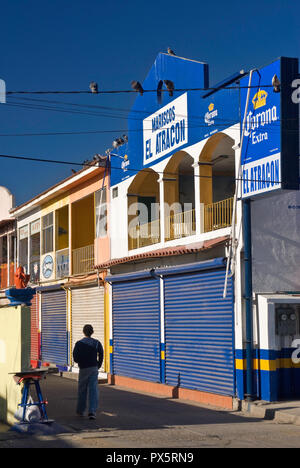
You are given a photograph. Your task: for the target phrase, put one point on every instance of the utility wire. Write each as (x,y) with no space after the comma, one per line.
(120,109)
(220,121)
(147,170)
(179,90)
(234,125)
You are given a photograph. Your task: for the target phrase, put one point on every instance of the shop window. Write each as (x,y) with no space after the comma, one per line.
(62,226)
(23,247)
(101,213)
(35,245)
(47,233)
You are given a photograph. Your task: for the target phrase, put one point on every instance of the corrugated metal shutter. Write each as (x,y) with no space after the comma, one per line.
(88,308)
(54,328)
(136,338)
(199,332)
(35,335)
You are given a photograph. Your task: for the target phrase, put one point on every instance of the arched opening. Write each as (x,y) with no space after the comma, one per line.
(143,210)
(217,181)
(179,196)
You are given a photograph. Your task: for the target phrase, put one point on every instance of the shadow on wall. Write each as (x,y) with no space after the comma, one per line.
(3,408)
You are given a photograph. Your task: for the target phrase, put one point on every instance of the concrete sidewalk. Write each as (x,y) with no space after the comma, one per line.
(284,412)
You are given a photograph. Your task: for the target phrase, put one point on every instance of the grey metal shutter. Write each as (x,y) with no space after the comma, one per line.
(54,328)
(199,332)
(88,308)
(136,330)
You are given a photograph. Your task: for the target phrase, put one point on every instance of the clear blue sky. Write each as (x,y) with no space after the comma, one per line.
(65,44)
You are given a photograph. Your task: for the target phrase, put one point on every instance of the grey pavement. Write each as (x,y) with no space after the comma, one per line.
(131,419)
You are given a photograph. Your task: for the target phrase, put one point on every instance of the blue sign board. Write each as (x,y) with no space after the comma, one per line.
(270,150)
(161,124)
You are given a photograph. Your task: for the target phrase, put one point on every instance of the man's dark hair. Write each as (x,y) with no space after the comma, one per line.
(88,330)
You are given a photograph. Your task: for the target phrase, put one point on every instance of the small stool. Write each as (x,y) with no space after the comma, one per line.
(32,379)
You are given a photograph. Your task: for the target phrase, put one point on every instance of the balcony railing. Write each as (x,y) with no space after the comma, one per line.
(83,260)
(218,215)
(143,235)
(62,263)
(180,225)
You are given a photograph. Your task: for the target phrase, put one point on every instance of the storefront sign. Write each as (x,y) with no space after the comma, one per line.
(23,232)
(35,227)
(270,149)
(47,266)
(165,130)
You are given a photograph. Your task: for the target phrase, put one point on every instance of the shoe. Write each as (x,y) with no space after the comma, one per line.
(92,416)
(80,415)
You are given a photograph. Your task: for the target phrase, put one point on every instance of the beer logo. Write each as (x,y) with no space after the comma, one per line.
(211,114)
(260,99)
(48,266)
(125,163)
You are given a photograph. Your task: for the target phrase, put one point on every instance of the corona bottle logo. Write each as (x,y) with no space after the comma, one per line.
(260,99)
(125,163)
(211,114)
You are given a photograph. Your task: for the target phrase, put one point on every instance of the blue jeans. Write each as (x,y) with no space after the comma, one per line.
(88,387)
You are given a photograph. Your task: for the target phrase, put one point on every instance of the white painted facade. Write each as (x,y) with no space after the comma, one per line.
(276,243)
(7,203)
(119,206)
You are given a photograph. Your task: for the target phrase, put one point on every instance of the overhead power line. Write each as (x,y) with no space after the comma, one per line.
(124,91)
(220,123)
(134,170)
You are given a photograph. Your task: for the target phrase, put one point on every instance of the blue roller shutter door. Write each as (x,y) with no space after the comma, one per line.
(136,330)
(199,331)
(54,328)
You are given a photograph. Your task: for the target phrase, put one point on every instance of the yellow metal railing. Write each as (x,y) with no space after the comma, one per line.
(143,235)
(83,260)
(180,225)
(218,215)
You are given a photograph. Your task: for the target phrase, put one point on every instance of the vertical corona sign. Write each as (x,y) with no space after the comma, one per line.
(270,152)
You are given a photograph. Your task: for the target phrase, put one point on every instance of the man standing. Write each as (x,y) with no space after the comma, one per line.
(88,353)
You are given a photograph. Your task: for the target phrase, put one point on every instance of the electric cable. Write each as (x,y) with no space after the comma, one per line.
(125,91)
(147,170)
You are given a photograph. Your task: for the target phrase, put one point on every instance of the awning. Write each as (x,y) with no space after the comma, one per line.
(167,252)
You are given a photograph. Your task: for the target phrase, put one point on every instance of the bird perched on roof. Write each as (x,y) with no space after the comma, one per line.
(276,84)
(94,87)
(170,51)
(136,86)
(170,86)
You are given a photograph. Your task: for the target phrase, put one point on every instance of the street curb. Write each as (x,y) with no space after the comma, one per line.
(258,411)
(261,411)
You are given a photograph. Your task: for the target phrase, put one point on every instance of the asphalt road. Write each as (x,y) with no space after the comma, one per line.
(128,419)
